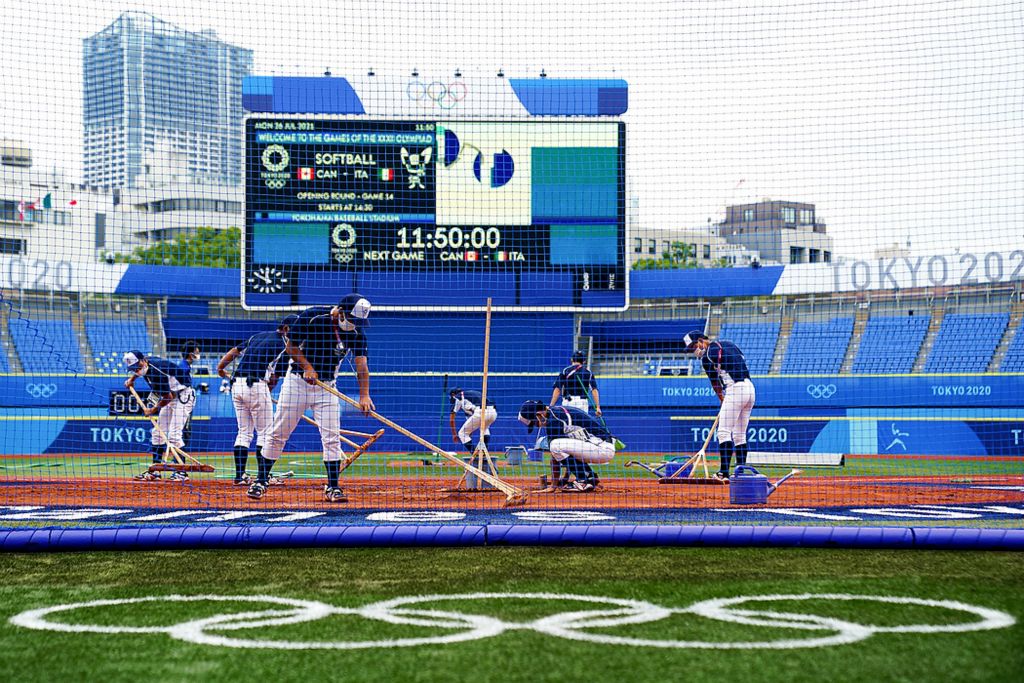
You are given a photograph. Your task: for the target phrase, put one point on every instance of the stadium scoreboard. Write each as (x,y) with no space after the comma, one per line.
(425,214)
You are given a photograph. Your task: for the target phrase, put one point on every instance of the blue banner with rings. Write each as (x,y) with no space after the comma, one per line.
(826,391)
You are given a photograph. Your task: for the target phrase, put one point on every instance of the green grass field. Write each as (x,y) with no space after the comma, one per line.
(516,650)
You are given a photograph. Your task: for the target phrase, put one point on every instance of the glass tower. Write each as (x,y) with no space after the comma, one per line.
(162,102)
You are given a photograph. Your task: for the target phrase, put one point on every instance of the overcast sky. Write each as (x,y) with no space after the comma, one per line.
(900,121)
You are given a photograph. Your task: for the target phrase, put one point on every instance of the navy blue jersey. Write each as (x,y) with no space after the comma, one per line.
(468,402)
(724,364)
(166,377)
(575,380)
(260,355)
(323,343)
(187,367)
(564,421)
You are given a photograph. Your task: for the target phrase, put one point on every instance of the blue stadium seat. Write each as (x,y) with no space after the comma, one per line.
(1013,361)
(639,337)
(817,348)
(756,340)
(4,367)
(966,342)
(109,339)
(46,345)
(890,344)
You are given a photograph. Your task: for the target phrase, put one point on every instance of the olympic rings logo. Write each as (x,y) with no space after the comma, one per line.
(822,390)
(41,390)
(219,630)
(275,184)
(443,95)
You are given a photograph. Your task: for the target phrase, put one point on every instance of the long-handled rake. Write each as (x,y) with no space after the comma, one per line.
(359,448)
(513,495)
(185,462)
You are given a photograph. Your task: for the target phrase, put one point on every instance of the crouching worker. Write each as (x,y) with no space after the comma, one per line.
(469,402)
(575,439)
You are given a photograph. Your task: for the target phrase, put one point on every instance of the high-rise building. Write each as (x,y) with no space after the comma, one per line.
(162,105)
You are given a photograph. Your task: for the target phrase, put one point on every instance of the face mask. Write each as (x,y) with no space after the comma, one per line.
(142,371)
(346,326)
(699,352)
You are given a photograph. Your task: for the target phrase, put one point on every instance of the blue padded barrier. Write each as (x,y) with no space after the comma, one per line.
(229,537)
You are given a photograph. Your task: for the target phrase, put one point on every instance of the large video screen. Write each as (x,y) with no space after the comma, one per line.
(424,214)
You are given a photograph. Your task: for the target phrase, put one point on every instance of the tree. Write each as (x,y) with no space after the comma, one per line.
(207,248)
(678,256)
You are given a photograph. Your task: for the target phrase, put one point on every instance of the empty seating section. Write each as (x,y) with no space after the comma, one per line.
(46,345)
(817,347)
(966,342)
(756,340)
(890,344)
(109,339)
(639,337)
(1013,361)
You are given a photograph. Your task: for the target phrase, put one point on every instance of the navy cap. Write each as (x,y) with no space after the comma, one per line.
(456,390)
(356,308)
(132,359)
(528,413)
(691,339)
(287,321)
(579,357)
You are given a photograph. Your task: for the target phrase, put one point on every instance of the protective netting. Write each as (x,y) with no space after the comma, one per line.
(538,209)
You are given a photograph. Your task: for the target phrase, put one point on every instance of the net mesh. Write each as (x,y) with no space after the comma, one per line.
(537,205)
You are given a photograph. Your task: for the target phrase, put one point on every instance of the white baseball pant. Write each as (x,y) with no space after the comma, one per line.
(579,402)
(472,423)
(735,415)
(591,449)
(296,398)
(172,418)
(253,411)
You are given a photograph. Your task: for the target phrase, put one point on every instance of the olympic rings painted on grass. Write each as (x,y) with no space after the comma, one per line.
(569,625)
(444,95)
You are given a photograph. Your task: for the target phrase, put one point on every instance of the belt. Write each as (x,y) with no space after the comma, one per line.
(249,381)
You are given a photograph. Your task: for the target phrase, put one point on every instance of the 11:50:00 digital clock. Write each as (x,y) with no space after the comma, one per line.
(442,237)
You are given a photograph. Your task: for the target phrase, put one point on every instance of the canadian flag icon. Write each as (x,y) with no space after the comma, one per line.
(305,173)
(472,256)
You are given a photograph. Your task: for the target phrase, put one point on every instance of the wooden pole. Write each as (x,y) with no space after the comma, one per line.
(481,448)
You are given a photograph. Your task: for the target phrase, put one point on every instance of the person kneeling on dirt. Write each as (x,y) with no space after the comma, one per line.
(575,439)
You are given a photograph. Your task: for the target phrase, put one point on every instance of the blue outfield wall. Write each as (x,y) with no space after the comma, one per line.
(974,415)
